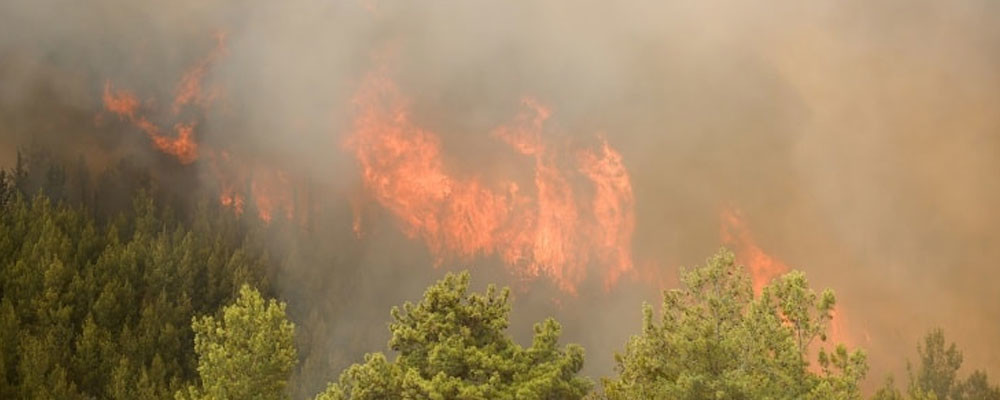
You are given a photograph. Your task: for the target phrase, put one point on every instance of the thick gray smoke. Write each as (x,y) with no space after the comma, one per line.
(861,139)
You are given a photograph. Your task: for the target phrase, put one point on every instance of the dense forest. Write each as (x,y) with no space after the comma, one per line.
(160,297)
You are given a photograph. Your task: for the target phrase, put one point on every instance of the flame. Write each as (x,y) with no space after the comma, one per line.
(183,146)
(764,268)
(613,206)
(403,170)
(735,234)
(551,241)
(189,89)
(269,188)
(125,105)
(542,233)
(271,192)
(229,195)
(230,198)
(120,102)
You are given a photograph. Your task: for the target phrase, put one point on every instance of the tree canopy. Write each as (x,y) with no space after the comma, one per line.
(246,354)
(102,309)
(935,377)
(454,345)
(714,340)
(105,298)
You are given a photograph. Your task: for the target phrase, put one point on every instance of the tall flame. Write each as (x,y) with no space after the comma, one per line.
(613,206)
(542,233)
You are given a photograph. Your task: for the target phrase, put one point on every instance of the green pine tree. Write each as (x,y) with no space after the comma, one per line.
(454,345)
(248,353)
(714,340)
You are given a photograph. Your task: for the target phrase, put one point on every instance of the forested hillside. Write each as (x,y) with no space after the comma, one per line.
(103,309)
(140,301)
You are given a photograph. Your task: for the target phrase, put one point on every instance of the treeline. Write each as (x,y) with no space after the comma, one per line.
(146,302)
(97,306)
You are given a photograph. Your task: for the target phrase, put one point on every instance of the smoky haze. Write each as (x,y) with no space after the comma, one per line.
(860,139)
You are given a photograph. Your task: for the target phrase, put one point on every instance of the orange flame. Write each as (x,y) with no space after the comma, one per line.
(271,192)
(230,198)
(189,91)
(269,189)
(125,105)
(541,234)
(120,102)
(551,240)
(613,206)
(763,268)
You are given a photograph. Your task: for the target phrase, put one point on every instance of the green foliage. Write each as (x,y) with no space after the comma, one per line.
(92,310)
(888,391)
(938,367)
(453,345)
(98,294)
(714,340)
(976,387)
(936,376)
(248,354)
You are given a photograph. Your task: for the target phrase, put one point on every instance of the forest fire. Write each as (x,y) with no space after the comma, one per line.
(735,234)
(126,106)
(764,268)
(509,199)
(269,188)
(189,91)
(272,194)
(551,231)
(548,227)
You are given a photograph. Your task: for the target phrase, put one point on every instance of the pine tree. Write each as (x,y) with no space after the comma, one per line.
(714,340)
(246,354)
(935,377)
(453,345)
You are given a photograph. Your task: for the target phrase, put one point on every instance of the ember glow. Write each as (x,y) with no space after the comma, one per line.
(546,227)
